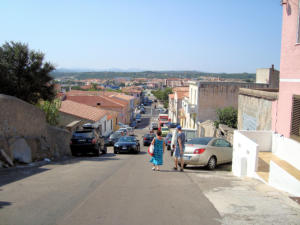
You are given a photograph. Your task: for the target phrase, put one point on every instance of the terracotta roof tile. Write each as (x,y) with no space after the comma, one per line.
(181,94)
(82,110)
(180,89)
(171,96)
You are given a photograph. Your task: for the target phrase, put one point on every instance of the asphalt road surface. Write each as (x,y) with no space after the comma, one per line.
(110,189)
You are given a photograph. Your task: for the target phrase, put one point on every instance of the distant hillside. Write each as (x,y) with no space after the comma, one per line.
(152,74)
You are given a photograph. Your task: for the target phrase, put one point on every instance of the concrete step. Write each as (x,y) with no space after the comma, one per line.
(263,170)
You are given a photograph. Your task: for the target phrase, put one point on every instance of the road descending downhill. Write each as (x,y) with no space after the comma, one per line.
(110,189)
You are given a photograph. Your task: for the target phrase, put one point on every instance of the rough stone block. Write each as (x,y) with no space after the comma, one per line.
(21,151)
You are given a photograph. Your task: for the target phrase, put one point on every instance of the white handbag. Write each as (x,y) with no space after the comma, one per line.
(151,149)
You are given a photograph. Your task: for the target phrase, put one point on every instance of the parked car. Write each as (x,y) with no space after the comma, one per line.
(106,138)
(123,130)
(147,139)
(127,144)
(154,126)
(168,140)
(113,138)
(207,151)
(87,141)
(133,124)
(173,125)
(130,131)
(189,133)
(164,131)
(138,118)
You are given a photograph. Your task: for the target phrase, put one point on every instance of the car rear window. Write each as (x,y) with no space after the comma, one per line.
(164,128)
(127,139)
(83,134)
(199,141)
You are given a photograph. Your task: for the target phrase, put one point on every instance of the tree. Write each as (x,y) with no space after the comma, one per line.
(23,73)
(227,116)
(51,110)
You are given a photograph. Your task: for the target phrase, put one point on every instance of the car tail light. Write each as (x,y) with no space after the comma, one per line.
(199,151)
(94,141)
(145,139)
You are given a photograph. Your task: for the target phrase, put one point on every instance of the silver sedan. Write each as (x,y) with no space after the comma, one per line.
(207,151)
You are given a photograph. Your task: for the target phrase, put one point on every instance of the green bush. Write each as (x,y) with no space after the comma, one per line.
(227,116)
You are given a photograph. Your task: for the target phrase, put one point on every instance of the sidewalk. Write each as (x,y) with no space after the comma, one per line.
(244,200)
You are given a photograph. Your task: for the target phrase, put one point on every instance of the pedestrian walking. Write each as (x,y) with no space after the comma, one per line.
(159,149)
(179,148)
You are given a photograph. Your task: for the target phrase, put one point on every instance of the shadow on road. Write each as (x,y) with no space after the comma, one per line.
(144,123)
(18,173)
(14,174)
(3,204)
(87,157)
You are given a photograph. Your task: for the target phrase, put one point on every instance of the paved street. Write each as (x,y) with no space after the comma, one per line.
(122,189)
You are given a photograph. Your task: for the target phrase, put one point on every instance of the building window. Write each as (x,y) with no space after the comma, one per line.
(298,33)
(295,122)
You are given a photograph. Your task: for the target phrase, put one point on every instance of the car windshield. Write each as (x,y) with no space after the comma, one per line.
(138,115)
(83,134)
(115,135)
(127,139)
(200,141)
(164,128)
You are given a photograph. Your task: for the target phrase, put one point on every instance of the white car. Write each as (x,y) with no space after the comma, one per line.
(130,131)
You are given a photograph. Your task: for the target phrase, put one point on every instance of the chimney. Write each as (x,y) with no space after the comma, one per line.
(272,67)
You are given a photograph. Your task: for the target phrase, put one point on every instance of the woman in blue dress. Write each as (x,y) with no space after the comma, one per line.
(159,149)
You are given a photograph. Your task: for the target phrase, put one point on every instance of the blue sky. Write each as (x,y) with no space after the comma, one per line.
(211,36)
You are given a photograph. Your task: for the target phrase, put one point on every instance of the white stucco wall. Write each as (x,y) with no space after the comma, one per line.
(262,138)
(282,180)
(287,149)
(105,129)
(245,151)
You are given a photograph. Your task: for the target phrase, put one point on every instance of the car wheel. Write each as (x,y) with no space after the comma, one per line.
(212,163)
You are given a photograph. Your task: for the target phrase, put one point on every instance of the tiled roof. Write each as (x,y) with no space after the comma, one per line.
(82,110)
(180,89)
(171,96)
(125,97)
(95,101)
(181,94)
(94,97)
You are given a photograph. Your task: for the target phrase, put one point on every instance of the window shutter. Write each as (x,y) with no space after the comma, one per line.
(295,126)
